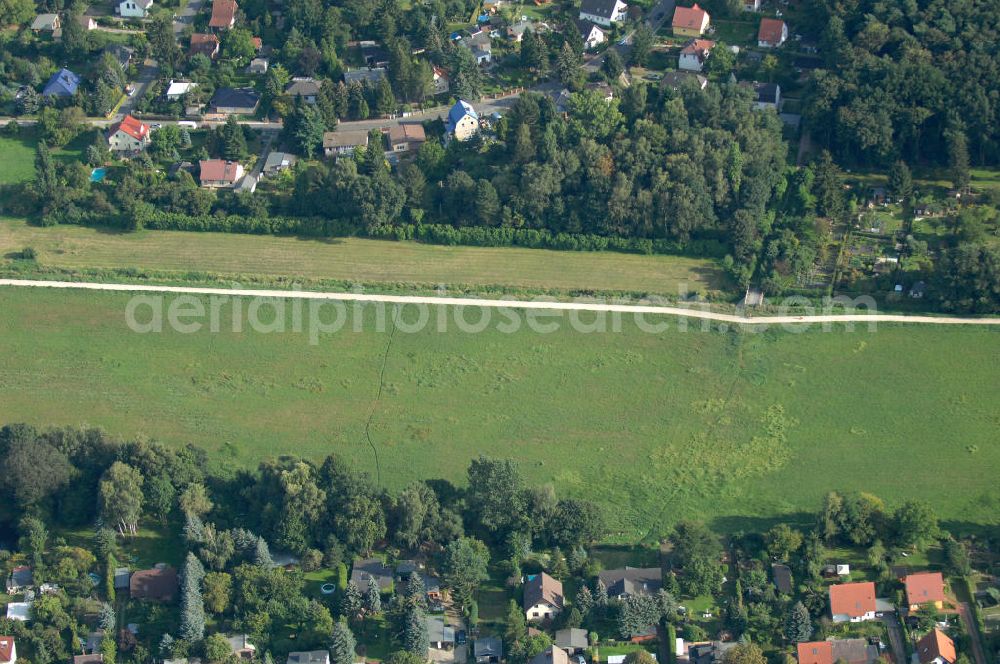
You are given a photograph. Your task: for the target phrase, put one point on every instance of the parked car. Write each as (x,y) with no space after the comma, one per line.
(460,637)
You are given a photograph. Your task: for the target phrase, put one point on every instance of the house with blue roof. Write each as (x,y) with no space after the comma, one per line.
(62,84)
(463,121)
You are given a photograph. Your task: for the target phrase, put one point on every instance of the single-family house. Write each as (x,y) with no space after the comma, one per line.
(46,23)
(177,89)
(441,82)
(129,136)
(241,646)
(849,651)
(134,8)
(21,578)
(88,23)
(309,657)
(94,658)
(364,74)
(344,142)
(690,21)
(936,648)
(374,54)
(628,581)
(709,653)
(463,121)
(63,83)
(205,44)
(158,583)
(675,79)
(406,137)
(481,46)
(369,568)
(439,635)
(782,575)
(93,642)
(924,588)
(603,12)
(768,96)
(121,53)
(485,650)
(516,31)
(307,88)
(772,33)
(223,14)
(20,611)
(543,596)
(593,35)
(751,5)
(551,655)
(573,640)
(606,92)
(258,66)
(854,602)
(277,162)
(218,174)
(8,650)
(235,101)
(694,54)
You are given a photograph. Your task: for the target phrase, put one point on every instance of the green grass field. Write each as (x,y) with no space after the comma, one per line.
(734,428)
(18,163)
(360,260)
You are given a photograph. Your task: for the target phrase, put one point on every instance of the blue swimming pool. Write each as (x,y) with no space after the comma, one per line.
(98,174)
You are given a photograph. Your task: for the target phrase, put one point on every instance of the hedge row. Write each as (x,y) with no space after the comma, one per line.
(429,233)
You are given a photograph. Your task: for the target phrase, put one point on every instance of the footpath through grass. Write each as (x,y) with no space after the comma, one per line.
(656,427)
(362,260)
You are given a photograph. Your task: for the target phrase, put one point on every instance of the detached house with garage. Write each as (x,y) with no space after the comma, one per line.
(8,650)
(631,581)
(593,35)
(130,136)
(463,121)
(694,54)
(924,588)
(936,648)
(219,174)
(852,602)
(223,14)
(603,12)
(690,21)
(543,596)
(773,32)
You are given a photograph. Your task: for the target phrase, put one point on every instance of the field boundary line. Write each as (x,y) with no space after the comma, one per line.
(550,305)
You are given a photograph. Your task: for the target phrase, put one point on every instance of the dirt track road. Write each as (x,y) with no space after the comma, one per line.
(703,313)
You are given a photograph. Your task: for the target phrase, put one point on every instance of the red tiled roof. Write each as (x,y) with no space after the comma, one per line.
(223,13)
(405,133)
(816,652)
(258,43)
(690,18)
(770,30)
(699,47)
(934,645)
(924,587)
(6,648)
(131,126)
(852,599)
(203,43)
(156,583)
(218,170)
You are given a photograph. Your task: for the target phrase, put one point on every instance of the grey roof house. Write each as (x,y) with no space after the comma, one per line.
(307,88)
(487,650)
(632,581)
(441,636)
(235,101)
(572,640)
(366,568)
(309,657)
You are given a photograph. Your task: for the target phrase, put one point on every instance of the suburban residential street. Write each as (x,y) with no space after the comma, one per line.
(662,12)
(507,304)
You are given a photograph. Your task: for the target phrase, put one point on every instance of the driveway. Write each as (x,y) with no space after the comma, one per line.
(147,74)
(965,613)
(891,621)
(185,17)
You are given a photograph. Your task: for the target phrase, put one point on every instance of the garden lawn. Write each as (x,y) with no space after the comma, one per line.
(358,260)
(18,154)
(736,429)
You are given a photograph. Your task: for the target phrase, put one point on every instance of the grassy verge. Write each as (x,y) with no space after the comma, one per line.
(358,260)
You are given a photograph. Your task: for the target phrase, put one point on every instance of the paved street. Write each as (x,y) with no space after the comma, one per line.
(891,621)
(148,72)
(655,18)
(185,17)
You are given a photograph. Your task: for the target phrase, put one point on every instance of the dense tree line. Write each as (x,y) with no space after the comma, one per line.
(918,81)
